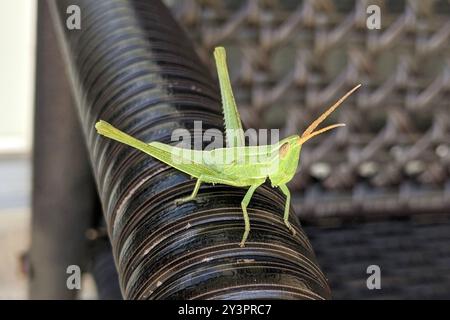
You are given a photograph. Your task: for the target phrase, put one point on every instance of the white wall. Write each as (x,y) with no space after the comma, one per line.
(17,49)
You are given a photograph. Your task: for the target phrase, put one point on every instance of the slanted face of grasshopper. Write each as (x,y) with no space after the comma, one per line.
(279,161)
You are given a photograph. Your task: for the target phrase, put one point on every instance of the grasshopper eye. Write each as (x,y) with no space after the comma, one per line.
(284,149)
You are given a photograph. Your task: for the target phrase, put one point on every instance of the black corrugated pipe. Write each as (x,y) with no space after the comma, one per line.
(133,66)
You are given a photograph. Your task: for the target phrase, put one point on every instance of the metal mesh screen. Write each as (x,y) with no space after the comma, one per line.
(290,60)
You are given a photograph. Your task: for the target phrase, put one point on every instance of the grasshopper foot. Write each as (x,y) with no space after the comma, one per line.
(183,200)
(244,239)
(291,228)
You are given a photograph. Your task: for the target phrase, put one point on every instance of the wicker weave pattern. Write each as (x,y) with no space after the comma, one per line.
(413,256)
(291,59)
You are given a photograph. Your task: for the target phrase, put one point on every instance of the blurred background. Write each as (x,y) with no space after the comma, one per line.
(17,31)
(374,193)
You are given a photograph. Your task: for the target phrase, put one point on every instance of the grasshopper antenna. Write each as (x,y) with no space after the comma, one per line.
(303,139)
(308,133)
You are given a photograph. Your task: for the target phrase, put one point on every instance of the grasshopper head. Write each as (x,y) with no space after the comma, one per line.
(288,156)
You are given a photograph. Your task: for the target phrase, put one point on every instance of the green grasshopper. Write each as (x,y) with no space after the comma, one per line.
(280,162)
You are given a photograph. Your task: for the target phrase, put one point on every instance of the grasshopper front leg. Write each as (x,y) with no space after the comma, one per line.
(287,193)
